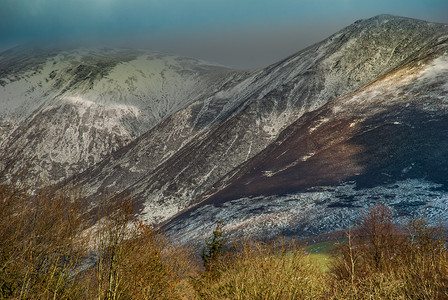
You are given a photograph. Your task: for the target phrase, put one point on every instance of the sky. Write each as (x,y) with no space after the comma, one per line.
(235,33)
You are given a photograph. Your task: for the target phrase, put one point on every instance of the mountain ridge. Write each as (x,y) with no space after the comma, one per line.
(260,104)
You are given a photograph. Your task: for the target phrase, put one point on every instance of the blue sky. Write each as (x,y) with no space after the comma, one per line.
(237,33)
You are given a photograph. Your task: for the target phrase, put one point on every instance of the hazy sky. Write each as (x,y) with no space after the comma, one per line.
(236,33)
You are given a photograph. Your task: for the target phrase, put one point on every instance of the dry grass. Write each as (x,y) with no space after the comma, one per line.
(256,270)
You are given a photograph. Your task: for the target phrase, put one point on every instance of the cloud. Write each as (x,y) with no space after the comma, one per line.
(229,29)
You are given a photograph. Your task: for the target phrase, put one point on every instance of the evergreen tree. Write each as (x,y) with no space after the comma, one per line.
(213,247)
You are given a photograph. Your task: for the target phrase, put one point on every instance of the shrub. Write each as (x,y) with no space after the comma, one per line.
(41,245)
(379,261)
(131,260)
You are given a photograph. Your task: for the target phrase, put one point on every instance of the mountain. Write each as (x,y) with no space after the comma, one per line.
(385,143)
(300,147)
(62,110)
(201,162)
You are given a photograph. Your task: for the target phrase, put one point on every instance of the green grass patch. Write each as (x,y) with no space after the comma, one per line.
(320,260)
(319,254)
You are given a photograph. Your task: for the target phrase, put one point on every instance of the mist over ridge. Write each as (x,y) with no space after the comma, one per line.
(238,34)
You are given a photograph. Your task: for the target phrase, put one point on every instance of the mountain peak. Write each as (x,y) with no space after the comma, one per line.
(388,17)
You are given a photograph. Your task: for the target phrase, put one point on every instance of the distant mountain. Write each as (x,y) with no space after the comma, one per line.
(63,110)
(300,147)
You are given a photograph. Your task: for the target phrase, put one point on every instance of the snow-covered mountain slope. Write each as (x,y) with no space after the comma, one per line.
(387,142)
(195,152)
(298,147)
(63,110)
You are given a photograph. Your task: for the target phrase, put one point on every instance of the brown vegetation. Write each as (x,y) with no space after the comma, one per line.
(49,250)
(41,244)
(376,260)
(379,260)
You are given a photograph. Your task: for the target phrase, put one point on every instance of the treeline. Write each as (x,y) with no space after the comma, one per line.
(377,259)
(50,250)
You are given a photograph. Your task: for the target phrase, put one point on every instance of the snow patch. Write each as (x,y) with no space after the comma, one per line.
(117,110)
(319,123)
(306,157)
(437,68)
